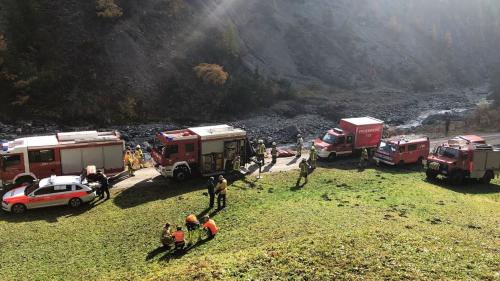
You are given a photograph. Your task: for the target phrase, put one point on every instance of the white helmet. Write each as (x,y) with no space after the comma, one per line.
(274,143)
(138,146)
(299,135)
(261,141)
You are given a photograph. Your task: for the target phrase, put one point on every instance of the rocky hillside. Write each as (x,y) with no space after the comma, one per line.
(118,60)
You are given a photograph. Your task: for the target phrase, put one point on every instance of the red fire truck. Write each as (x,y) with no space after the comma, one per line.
(460,159)
(353,135)
(206,151)
(401,150)
(27,159)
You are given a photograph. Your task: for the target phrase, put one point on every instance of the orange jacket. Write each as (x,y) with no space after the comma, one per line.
(210,224)
(191,219)
(178,236)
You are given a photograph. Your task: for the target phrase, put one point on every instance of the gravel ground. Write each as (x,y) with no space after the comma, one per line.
(283,121)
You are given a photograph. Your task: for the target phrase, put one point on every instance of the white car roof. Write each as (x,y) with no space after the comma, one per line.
(62,180)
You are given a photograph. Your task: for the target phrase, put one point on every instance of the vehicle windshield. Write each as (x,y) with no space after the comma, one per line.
(448,152)
(330,139)
(387,147)
(32,187)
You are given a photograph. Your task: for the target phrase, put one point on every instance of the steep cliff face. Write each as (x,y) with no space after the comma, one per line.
(63,61)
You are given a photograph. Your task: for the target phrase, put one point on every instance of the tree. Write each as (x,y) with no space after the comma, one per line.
(108,9)
(211,74)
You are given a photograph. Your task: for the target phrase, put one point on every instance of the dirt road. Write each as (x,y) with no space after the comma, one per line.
(283,164)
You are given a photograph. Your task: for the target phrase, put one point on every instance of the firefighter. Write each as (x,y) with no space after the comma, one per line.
(178,236)
(139,156)
(166,238)
(129,161)
(193,226)
(237,167)
(261,150)
(313,157)
(274,152)
(304,171)
(300,143)
(363,160)
(211,191)
(210,227)
(221,192)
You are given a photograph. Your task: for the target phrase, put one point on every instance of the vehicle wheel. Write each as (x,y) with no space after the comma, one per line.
(332,156)
(488,176)
(456,177)
(18,209)
(181,173)
(24,180)
(431,174)
(75,202)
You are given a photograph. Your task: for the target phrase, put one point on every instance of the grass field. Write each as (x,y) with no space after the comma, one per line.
(344,224)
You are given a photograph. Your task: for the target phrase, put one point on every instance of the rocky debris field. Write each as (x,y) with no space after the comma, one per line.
(282,122)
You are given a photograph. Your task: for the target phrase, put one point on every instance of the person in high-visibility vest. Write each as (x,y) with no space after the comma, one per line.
(129,161)
(178,236)
(221,191)
(166,237)
(193,227)
(139,155)
(210,227)
(236,167)
(274,152)
(304,171)
(261,150)
(363,160)
(313,157)
(300,143)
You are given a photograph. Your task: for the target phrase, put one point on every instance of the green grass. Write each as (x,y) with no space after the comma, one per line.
(343,224)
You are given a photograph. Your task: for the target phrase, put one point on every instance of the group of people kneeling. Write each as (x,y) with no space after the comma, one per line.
(177,239)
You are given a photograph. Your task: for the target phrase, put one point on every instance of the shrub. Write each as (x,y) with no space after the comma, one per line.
(108,9)
(211,73)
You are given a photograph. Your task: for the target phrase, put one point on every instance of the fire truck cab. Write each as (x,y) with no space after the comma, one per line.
(207,151)
(401,150)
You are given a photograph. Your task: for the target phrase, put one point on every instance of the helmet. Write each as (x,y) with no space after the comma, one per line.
(274,143)
(221,177)
(212,178)
(138,146)
(237,157)
(299,135)
(261,141)
(206,217)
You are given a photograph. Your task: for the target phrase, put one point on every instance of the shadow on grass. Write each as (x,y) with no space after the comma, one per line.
(49,214)
(172,255)
(154,189)
(469,187)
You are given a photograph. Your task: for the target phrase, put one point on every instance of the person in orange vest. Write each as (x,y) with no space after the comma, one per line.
(193,227)
(210,227)
(178,236)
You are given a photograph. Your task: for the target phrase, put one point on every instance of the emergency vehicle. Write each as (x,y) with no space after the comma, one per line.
(401,150)
(459,159)
(206,151)
(353,135)
(27,159)
(53,191)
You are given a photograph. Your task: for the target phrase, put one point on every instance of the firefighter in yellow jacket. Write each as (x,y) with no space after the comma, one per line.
(261,150)
(304,171)
(139,156)
(313,157)
(128,160)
